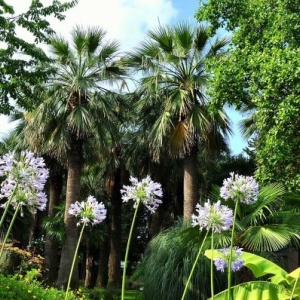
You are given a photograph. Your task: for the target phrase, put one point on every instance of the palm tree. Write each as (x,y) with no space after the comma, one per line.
(78,109)
(172,62)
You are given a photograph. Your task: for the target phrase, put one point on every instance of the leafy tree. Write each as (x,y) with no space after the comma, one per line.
(174,110)
(261,70)
(20,75)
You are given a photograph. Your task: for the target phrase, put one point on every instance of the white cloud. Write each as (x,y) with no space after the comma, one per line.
(5,126)
(124,20)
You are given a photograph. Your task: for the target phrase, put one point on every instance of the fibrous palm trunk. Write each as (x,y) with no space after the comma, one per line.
(51,245)
(114,267)
(190,183)
(71,231)
(102,276)
(89,262)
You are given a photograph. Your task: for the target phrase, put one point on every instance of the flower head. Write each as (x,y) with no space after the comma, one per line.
(146,191)
(238,187)
(25,178)
(214,216)
(222,262)
(90,211)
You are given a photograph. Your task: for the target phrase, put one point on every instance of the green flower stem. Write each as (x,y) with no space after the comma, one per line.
(212,267)
(294,287)
(74,260)
(7,205)
(194,266)
(9,228)
(127,250)
(230,249)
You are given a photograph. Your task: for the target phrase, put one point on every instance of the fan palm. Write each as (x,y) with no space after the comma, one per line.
(173,107)
(78,108)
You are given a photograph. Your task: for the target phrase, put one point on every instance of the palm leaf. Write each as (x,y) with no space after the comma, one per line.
(267,237)
(268,202)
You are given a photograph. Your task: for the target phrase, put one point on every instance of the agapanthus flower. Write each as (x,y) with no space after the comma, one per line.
(236,262)
(146,191)
(216,216)
(238,187)
(25,178)
(89,211)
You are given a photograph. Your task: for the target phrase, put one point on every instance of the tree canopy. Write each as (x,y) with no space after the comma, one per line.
(21,62)
(261,71)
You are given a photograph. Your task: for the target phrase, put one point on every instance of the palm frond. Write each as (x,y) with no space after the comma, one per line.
(267,238)
(163,37)
(269,201)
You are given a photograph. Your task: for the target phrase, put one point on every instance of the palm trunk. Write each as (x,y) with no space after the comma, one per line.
(156,221)
(114,267)
(51,245)
(190,183)
(102,276)
(71,230)
(89,262)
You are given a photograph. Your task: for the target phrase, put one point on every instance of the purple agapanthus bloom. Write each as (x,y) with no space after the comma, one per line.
(90,211)
(25,178)
(216,217)
(146,191)
(242,188)
(236,262)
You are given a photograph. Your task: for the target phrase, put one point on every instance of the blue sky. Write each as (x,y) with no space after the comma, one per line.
(127,21)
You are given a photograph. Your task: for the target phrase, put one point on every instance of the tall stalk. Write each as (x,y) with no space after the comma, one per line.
(212,267)
(74,260)
(127,249)
(7,205)
(229,275)
(9,229)
(193,268)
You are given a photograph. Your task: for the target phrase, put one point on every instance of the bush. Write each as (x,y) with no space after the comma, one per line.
(20,261)
(26,287)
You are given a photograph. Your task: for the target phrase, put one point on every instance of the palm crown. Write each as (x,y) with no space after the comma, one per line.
(173,65)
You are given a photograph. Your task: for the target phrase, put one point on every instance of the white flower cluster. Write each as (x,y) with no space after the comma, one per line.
(242,188)
(90,211)
(146,191)
(25,178)
(214,216)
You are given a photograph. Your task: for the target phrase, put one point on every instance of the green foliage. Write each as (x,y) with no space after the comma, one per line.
(20,77)
(261,71)
(17,288)
(168,261)
(54,225)
(267,225)
(113,294)
(20,261)
(261,290)
(281,285)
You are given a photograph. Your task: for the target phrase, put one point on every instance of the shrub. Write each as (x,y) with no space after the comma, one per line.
(26,287)
(20,261)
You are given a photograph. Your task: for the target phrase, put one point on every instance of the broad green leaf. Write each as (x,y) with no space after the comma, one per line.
(255,290)
(258,265)
(293,279)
